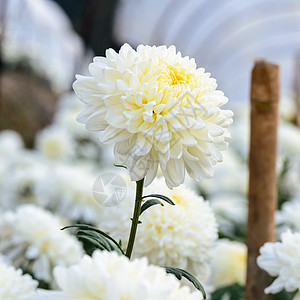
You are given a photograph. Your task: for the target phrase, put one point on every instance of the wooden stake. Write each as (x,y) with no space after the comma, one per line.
(262,166)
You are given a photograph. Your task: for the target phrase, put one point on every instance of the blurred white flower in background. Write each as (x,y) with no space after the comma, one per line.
(39,32)
(87,145)
(67,190)
(107,276)
(221,182)
(68,107)
(19,178)
(11,143)
(228,263)
(289,140)
(181,236)
(282,260)
(31,238)
(230,210)
(55,143)
(158,109)
(288,108)
(14,285)
(240,133)
(292,178)
(289,214)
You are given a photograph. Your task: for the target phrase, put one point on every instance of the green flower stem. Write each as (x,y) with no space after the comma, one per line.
(136,215)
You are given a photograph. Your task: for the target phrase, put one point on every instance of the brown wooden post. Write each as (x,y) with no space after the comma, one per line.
(262,179)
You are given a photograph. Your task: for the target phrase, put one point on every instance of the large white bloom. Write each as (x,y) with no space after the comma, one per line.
(158,109)
(14,285)
(107,276)
(31,238)
(181,236)
(229,263)
(282,259)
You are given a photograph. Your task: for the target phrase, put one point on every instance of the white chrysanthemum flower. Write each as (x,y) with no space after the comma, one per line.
(55,143)
(31,238)
(158,109)
(180,236)
(67,190)
(108,276)
(229,263)
(14,285)
(282,259)
(10,142)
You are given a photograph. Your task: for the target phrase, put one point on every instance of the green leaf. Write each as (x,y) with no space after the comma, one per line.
(85,228)
(120,166)
(284,295)
(90,245)
(150,203)
(96,239)
(179,273)
(234,291)
(162,197)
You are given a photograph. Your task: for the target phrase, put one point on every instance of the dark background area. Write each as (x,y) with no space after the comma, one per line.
(93,20)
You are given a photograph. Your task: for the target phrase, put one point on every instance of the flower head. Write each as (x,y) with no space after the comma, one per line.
(158,109)
(55,143)
(181,236)
(282,259)
(14,285)
(31,238)
(107,276)
(229,263)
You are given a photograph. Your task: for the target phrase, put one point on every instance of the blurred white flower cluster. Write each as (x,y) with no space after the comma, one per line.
(31,239)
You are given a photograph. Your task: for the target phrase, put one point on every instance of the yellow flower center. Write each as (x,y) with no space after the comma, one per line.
(176,76)
(173,75)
